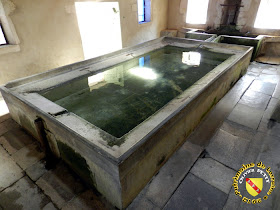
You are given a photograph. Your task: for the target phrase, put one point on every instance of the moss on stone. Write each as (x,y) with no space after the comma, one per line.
(210,107)
(77,163)
(118,109)
(243,41)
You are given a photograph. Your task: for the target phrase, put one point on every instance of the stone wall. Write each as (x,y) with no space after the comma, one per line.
(49,34)
(245,20)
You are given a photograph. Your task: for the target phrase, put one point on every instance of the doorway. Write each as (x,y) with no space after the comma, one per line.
(100,28)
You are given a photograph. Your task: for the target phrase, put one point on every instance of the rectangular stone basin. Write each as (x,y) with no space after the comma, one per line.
(269,51)
(242,40)
(200,36)
(116,119)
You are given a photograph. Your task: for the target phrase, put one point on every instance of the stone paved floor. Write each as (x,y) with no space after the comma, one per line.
(198,176)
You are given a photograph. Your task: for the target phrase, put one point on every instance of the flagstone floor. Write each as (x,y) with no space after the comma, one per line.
(198,176)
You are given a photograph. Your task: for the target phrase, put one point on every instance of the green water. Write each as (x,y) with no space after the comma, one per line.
(127,94)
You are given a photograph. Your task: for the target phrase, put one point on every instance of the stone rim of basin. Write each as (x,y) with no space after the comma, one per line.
(25,90)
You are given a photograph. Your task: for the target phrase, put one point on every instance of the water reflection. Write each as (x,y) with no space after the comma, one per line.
(113,76)
(93,80)
(144,72)
(191,58)
(151,81)
(144,61)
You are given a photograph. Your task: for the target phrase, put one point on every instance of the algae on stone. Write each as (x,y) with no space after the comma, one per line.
(121,100)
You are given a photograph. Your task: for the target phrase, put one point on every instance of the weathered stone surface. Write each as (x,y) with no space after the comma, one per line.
(44,104)
(172,173)
(29,155)
(255,99)
(276,93)
(271,71)
(263,87)
(214,173)
(60,185)
(37,170)
(270,127)
(263,146)
(275,115)
(253,149)
(270,109)
(250,73)
(6,144)
(142,203)
(23,195)
(207,128)
(81,138)
(266,148)
(255,70)
(228,149)
(15,139)
(238,130)
(233,201)
(3,129)
(269,153)
(4,117)
(246,116)
(10,124)
(269,78)
(264,205)
(194,193)
(276,193)
(10,172)
(87,200)
(49,206)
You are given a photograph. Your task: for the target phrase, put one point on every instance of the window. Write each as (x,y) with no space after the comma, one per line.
(197,11)
(144,61)
(144,11)
(2,37)
(268,15)
(141,10)
(9,41)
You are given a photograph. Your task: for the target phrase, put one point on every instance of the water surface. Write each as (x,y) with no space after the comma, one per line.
(122,97)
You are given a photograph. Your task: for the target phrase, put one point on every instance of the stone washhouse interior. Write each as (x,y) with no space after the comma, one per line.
(140,104)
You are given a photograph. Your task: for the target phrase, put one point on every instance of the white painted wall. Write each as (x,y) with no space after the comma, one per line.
(49,34)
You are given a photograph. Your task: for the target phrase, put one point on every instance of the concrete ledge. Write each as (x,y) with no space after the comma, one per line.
(4,49)
(240,40)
